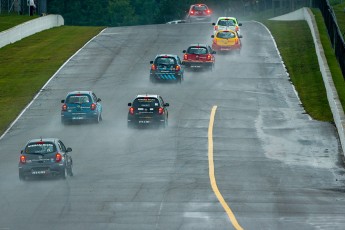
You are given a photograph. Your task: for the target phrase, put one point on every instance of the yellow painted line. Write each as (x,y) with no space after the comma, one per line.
(212,176)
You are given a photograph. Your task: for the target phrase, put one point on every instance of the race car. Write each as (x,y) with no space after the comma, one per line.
(199,56)
(81,106)
(166,67)
(226,40)
(148,110)
(45,157)
(227,23)
(199,12)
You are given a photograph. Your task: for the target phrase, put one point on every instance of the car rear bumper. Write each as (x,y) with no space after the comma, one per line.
(166,76)
(137,121)
(197,64)
(67,116)
(34,170)
(226,48)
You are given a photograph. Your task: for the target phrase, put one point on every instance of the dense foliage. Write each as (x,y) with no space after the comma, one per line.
(127,12)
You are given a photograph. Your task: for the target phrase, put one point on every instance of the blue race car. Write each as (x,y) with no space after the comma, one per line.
(166,67)
(81,106)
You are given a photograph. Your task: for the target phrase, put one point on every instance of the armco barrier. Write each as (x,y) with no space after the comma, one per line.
(332,95)
(29,28)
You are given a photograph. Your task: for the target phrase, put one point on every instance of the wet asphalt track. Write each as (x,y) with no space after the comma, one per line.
(275,167)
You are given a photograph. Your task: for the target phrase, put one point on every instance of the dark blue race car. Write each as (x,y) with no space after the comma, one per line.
(81,106)
(166,67)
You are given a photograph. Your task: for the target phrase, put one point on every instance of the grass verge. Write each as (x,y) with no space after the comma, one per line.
(28,64)
(333,64)
(296,46)
(8,21)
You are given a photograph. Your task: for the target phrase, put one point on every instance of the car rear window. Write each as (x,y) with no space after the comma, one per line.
(226,22)
(78,99)
(226,35)
(197,50)
(40,148)
(146,102)
(200,8)
(165,61)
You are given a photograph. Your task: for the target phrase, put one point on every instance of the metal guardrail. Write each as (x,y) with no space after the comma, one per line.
(334,32)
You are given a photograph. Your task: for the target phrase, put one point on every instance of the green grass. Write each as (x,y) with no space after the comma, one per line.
(296,46)
(28,64)
(339,11)
(333,64)
(8,21)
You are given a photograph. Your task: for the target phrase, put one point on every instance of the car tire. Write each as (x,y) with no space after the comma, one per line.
(70,171)
(64,174)
(130,125)
(63,121)
(21,177)
(98,118)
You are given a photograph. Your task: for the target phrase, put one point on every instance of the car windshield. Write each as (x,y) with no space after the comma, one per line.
(226,35)
(165,61)
(78,99)
(40,148)
(197,50)
(226,23)
(146,102)
(200,8)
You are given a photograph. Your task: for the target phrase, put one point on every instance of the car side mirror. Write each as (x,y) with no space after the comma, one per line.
(184,51)
(212,36)
(99,99)
(239,24)
(166,104)
(240,36)
(62,101)
(151,62)
(21,151)
(69,149)
(129,104)
(213,24)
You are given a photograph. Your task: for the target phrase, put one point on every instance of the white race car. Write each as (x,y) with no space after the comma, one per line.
(227,23)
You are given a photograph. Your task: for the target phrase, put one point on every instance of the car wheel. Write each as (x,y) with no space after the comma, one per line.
(130,125)
(64,173)
(101,118)
(70,171)
(63,121)
(21,177)
(98,118)
(164,124)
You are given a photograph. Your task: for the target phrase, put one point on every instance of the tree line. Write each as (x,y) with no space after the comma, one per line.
(126,12)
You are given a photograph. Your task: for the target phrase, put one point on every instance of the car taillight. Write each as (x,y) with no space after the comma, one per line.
(93,106)
(64,107)
(58,157)
(236,28)
(185,57)
(153,67)
(215,27)
(208,57)
(131,110)
(236,41)
(161,111)
(177,68)
(208,11)
(191,12)
(22,159)
(215,41)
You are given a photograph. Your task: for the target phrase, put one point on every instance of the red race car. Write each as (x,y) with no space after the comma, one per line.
(199,56)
